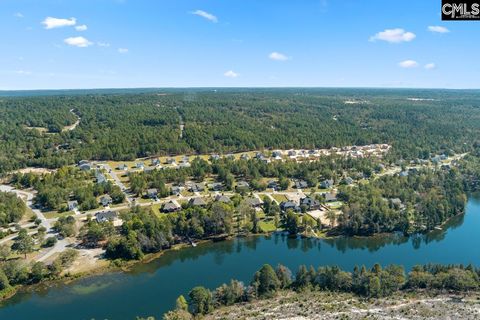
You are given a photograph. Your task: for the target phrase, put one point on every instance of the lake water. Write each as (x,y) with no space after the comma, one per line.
(151,289)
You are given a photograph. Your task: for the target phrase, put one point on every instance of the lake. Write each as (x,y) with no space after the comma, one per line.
(151,289)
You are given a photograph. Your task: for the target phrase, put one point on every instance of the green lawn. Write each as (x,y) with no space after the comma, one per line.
(56,214)
(279,197)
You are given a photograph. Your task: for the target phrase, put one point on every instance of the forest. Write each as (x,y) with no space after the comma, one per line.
(12,208)
(375,282)
(131,124)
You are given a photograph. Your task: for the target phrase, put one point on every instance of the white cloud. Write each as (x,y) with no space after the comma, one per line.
(82,27)
(19,15)
(231,74)
(393,36)
(80,42)
(277,56)
(103,44)
(430,66)
(438,29)
(122,50)
(205,15)
(51,23)
(408,64)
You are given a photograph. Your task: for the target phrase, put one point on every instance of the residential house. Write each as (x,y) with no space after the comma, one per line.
(310,203)
(105,200)
(122,167)
(171,161)
(243,184)
(326,184)
(254,202)
(289,205)
(222,198)
(215,157)
(215,186)
(72,205)
(301,184)
(330,197)
(403,174)
(244,156)
(272,184)
(152,193)
(100,177)
(171,207)
(196,187)
(155,162)
(140,165)
(348,181)
(85,166)
(105,216)
(176,190)
(197,202)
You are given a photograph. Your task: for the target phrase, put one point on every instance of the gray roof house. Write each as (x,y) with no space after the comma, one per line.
(152,193)
(215,186)
(243,184)
(105,200)
(326,184)
(329,197)
(196,187)
(222,198)
(301,184)
(85,166)
(170,207)
(105,216)
(72,205)
(176,190)
(100,177)
(310,203)
(289,205)
(254,202)
(197,202)
(122,167)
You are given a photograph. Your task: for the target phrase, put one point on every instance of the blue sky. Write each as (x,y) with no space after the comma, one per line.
(230,43)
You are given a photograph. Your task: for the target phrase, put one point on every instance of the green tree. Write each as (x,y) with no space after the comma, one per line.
(181,303)
(266,281)
(4,252)
(201,301)
(23,243)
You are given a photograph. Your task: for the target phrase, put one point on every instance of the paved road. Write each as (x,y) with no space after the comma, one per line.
(117,180)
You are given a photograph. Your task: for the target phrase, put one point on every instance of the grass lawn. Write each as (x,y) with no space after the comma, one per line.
(56,214)
(267,226)
(279,197)
(156,208)
(335,204)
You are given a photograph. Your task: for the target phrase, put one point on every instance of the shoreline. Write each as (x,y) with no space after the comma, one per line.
(104,266)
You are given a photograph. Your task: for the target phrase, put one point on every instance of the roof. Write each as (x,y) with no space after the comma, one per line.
(152,191)
(197,202)
(254,201)
(106,216)
(330,196)
(72,203)
(243,184)
(309,201)
(301,184)
(170,206)
(222,198)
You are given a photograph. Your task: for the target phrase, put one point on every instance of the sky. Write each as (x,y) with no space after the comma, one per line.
(77,44)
